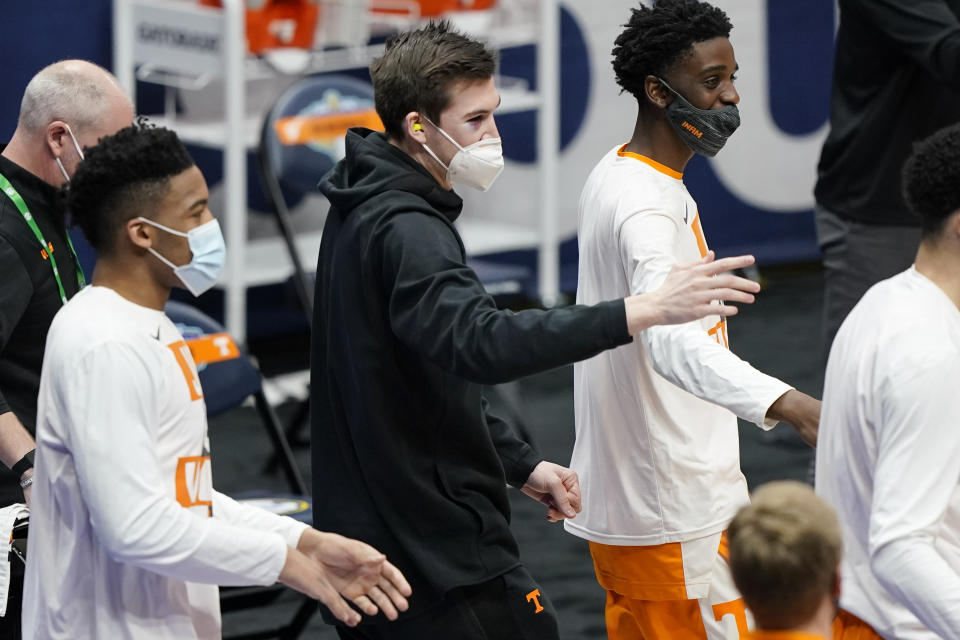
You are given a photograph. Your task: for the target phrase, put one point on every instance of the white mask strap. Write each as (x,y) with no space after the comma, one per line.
(434,156)
(444,134)
(161,258)
(76,145)
(62,170)
(160,226)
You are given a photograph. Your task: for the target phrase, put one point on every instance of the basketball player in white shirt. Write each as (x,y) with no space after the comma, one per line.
(128,538)
(657,444)
(889,456)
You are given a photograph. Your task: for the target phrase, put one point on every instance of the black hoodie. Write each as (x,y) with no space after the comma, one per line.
(405,455)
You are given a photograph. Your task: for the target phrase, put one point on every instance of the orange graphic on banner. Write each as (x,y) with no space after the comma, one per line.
(534,596)
(192,481)
(734,608)
(181,351)
(215,347)
(294,130)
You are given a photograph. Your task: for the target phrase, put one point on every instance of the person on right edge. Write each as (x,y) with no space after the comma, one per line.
(889,456)
(406,455)
(896,80)
(657,446)
(785,550)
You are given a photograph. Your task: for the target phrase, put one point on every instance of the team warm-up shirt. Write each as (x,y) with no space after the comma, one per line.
(888,458)
(657,445)
(127,536)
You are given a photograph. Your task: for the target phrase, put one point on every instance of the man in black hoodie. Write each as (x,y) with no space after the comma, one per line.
(406,455)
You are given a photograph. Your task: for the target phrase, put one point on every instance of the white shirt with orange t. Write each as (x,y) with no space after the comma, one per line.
(888,458)
(657,446)
(127,536)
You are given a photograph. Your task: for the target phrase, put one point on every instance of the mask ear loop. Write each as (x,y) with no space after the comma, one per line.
(76,145)
(168,230)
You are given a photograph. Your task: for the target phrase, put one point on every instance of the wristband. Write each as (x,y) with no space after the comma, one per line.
(24,463)
(26,483)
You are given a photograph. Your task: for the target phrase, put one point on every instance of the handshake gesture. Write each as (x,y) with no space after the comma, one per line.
(334,569)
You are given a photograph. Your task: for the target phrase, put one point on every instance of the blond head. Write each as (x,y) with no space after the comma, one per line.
(785,551)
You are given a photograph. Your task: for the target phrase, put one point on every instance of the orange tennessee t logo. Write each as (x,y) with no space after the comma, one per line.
(534,596)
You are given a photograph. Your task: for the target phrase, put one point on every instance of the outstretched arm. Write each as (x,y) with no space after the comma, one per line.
(440,310)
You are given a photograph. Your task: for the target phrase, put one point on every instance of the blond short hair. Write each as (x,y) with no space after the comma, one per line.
(785,550)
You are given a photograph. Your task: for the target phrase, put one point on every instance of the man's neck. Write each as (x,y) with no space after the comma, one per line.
(26,153)
(420,155)
(821,624)
(132,280)
(654,138)
(939,260)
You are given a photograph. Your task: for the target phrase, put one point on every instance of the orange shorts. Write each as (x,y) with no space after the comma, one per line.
(847,626)
(649,592)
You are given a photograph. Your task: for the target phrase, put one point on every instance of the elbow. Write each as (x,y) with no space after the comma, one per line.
(892,561)
(141,538)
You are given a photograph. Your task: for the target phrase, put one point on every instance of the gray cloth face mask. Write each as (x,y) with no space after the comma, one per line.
(705,131)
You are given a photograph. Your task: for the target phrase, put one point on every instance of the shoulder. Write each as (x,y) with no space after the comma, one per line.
(95,322)
(913,324)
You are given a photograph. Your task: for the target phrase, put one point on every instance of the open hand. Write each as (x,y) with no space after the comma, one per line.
(337,568)
(690,292)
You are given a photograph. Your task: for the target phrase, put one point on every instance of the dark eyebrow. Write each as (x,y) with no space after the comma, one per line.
(718,67)
(481,112)
(199,203)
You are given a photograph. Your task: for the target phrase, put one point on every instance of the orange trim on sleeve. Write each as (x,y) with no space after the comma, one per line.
(698,234)
(662,168)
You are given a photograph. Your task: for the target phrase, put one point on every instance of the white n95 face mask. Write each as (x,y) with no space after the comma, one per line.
(477,165)
(209,254)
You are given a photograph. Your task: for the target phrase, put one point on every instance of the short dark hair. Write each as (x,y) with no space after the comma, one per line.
(785,550)
(122,177)
(931,179)
(418,68)
(657,38)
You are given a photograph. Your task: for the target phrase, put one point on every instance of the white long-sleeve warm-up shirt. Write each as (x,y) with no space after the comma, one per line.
(127,536)
(657,447)
(888,458)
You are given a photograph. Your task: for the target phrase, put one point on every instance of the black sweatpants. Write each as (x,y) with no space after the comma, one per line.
(509,607)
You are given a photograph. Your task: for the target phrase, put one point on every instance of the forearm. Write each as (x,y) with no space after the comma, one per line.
(920,578)
(518,458)
(239,514)
(686,356)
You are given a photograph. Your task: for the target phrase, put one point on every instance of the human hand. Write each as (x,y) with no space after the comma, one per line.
(329,567)
(557,487)
(799,410)
(690,292)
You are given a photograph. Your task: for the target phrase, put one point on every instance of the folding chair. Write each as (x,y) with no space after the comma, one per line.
(229,377)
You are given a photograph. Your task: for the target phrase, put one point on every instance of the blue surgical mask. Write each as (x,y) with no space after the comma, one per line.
(209,254)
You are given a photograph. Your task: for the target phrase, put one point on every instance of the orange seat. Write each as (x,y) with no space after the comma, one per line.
(272,24)
(434,8)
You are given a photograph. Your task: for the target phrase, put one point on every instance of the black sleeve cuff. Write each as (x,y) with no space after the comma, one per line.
(615,322)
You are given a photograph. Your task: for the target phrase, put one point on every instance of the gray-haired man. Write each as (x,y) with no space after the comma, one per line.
(67,106)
